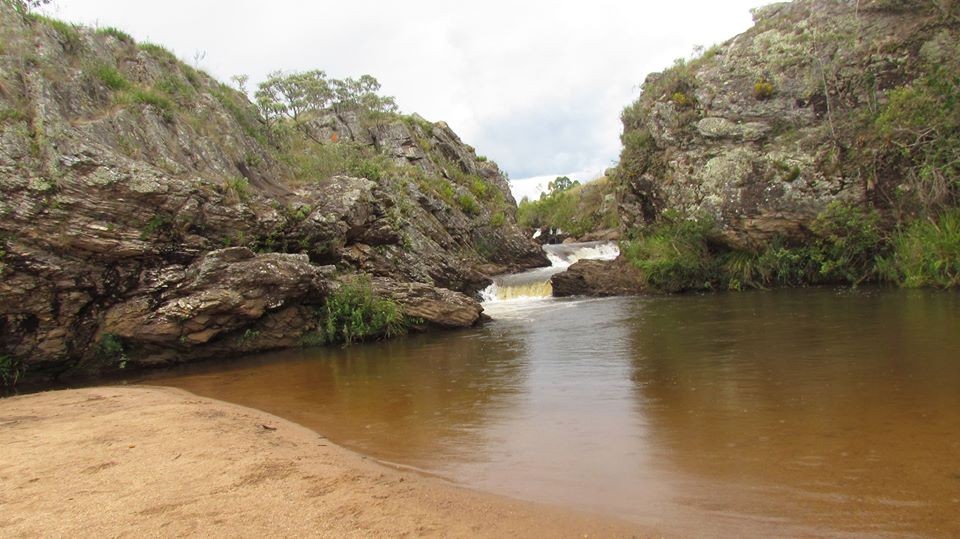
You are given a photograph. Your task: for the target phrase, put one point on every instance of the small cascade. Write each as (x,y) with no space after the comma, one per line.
(535,284)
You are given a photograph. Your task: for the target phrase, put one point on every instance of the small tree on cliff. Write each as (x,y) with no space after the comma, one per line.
(295,97)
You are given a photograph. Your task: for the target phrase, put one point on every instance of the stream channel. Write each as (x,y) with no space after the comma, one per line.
(808,412)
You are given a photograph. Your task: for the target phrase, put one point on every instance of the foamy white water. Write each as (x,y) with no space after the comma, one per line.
(535,284)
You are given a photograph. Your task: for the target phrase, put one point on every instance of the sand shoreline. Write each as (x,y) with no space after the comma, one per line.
(158,461)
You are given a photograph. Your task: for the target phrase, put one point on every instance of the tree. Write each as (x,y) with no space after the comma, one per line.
(294,97)
(561,184)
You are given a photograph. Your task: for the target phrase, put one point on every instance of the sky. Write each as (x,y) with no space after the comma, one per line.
(537,86)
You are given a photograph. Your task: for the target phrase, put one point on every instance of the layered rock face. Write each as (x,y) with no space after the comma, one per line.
(762,132)
(145,206)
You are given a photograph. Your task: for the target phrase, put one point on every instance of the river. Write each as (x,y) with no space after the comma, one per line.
(812,412)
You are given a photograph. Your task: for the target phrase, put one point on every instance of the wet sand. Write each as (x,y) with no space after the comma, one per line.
(153,461)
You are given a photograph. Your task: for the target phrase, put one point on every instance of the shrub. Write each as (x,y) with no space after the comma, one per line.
(468,203)
(111,78)
(498,219)
(762,90)
(926,253)
(479,188)
(355,313)
(110,351)
(848,242)
(674,256)
(11,370)
(237,189)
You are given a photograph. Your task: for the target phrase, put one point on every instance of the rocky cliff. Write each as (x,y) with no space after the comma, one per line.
(821,101)
(148,214)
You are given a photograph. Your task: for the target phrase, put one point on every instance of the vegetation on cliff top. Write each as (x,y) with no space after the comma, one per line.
(886,131)
(574,208)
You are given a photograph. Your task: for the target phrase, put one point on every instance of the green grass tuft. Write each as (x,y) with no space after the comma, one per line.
(355,313)
(116,33)
(111,78)
(926,253)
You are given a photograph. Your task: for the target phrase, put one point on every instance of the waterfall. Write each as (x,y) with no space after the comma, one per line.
(535,283)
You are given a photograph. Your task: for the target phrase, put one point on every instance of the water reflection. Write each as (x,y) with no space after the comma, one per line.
(786,413)
(412,401)
(833,409)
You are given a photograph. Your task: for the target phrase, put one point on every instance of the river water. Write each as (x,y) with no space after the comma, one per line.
(814,412)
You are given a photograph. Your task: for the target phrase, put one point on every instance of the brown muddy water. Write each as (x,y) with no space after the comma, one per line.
(785,413)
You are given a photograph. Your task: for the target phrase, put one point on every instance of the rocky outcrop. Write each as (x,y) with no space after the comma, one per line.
(598,278)
(762,132)
(148,214)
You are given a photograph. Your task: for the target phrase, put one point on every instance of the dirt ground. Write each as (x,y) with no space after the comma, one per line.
(152,461)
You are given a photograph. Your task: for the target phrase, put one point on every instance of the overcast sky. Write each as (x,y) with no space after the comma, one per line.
(537,86)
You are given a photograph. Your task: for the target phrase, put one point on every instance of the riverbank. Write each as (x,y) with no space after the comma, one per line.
(109,461)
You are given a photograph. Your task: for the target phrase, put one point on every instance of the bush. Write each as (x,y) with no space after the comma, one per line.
(158,101)
(926,253)
(11,370)
(110,351)
(111,78)
(763,90)
(355,313)
(468,204)
(848,243)
(237,189)
(675,255)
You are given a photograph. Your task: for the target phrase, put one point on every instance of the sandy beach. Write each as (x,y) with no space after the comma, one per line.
(154,461)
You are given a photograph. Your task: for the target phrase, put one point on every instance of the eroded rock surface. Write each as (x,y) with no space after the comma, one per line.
(148,214)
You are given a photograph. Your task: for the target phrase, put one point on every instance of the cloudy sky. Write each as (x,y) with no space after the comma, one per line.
(537,86)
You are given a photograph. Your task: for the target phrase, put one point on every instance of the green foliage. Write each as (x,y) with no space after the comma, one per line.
(468,203)
(762,90)
(11,115)
(498,219)
(237,189)
(176,88)
(115,33)
(159,52)
(161,103)
(298,96)
(926,253)
(674,256)
(111,78)
(355,313)
(70,36)
(921,123)
(573,208)
(678,254)
(848,242)
(110,351)
(237,106)
(480,188)
(156,225)
(11,370)
(560,184)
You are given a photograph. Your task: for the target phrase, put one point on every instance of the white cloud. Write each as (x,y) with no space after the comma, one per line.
(537,86)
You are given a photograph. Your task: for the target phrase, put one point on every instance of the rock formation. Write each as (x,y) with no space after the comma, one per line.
(147,209)
(762,132)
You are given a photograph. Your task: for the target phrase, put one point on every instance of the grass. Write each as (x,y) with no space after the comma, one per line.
(926,253)
(110,351)
(355,313)
(159,52)
(70,36)
(163,105)
(237,189)
(115,33)
(11,371)
(111,78)
(847,246)
(468,204)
